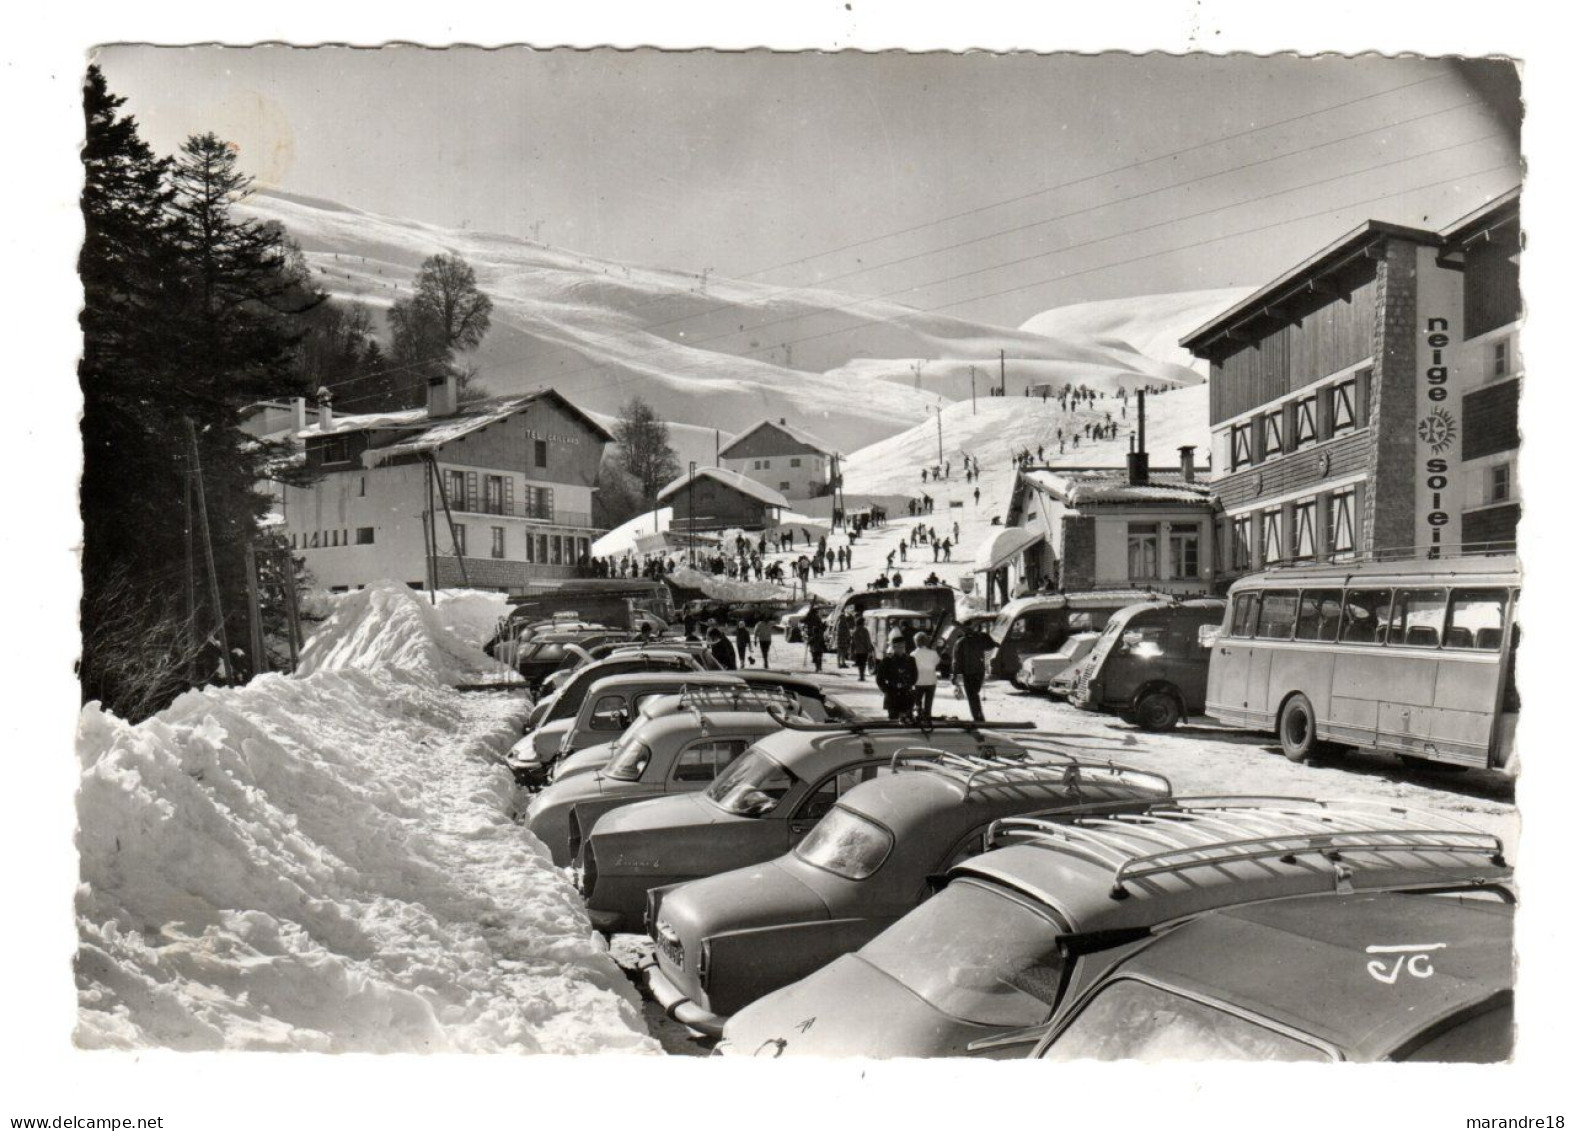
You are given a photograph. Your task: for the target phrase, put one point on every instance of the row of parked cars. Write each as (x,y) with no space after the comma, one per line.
(818,883)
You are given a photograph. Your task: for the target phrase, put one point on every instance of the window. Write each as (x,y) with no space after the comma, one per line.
(454,485)
(557,549)
(530,548)
(834,788)
(1305,515)
(497,541)
(1344,407)
(459,539)
(702,761)
(1500,358)
(492,494)
(1272,544)
(1500,483)
(1305,421)
(1142,549)
(1341,522)
(611,712)
(541,453)
(336,449)
(584,549)
(1241,543)
(538,503)
(334,534)
(315,535)
(784,486)
(796,462)
(1185,550)
(1240,446)
(1243,615)
(758,465)
(1475,619)
(1416,620)
(846,844)
(541,548)
(1319,616)
(1365,616)
(1131,1020)
(1272,434)
(364,536)
(766,464)
(363,486)
(1277,619)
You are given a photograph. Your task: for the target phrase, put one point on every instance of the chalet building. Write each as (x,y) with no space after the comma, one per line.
(783,457)
(1364,402)
(493,495)
(714,498)
(1079,528)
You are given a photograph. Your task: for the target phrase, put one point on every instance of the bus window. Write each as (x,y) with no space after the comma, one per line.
(1475,619)
(1416,620)
(1243,619)
(1319,617)
(1365,616)
(1277,620)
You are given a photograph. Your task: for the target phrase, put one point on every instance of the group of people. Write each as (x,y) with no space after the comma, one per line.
(908,675)
(737,652)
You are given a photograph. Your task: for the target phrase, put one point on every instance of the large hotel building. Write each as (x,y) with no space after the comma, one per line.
(1366,402)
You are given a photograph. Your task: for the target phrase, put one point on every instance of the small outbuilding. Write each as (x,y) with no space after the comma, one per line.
(714,498)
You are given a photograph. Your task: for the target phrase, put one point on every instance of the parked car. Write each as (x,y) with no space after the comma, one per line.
(1150,665)
(764,804)
(791,623)
(564,702)
(609,705)
(552,651)
(1036,672)
(757,689)
(1273,928)
(672,752)
(724,941)
(1031,625)
(583,656)
(1061,686)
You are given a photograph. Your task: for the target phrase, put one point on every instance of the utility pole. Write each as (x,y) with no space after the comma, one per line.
(191,584)
(429,535)
(692,466)
(972,383)
(259,653)
(918,372)
(718,448)
(453,534)
(207,546)
(1002,372)
(292,608)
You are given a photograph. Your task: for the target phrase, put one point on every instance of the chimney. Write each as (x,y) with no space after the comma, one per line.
(298,413)
(325,409)
(1188,454)
(1137,460)
(442,395)
(784,420)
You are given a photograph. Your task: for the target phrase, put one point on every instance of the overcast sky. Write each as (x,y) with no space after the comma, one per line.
(1062,178)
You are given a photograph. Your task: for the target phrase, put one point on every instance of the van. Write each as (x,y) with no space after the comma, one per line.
(938,602)
(1150,666)
(1031,625)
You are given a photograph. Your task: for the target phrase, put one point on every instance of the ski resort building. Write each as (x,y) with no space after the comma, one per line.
(783,457)
(1366,401)
(490,495)
(1079,528)
(714,498)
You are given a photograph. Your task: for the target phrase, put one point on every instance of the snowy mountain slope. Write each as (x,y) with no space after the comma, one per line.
(712,352)
(1149,325)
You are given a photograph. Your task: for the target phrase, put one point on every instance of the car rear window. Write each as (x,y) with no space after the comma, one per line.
(847,844)
(975,954)
(1131,1020)
(752,786)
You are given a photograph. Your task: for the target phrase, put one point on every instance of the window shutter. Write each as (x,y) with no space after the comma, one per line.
(1363,398)
(1358,519)
(508,494)
(472,494)
(1287,428)
(1325,412)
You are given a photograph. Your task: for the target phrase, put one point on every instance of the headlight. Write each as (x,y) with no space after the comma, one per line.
(703,967)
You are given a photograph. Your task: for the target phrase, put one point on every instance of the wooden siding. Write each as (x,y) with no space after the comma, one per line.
(716,507)
(1492,283)
(1334,333)
(767,440)
(1490,420)
(1298,472)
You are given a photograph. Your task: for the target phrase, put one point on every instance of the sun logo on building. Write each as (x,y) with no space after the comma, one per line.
(1437,430)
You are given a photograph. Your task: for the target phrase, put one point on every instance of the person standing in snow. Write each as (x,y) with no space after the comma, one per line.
(896,674)
(860,645)
(741,637)
(764,632)
(721,650)
(970,662)
(927,662)
(814,637)
(902,548)
(975,496)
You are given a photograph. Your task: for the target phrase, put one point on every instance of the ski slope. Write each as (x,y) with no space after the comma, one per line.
(1149,325)
(704,352)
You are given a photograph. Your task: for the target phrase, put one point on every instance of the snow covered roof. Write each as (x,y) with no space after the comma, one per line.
(1001,544)
(424,433)
(808,439)
(733,479)
(1113,485)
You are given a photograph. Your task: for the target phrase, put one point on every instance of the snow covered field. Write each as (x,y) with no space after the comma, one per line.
(328,862)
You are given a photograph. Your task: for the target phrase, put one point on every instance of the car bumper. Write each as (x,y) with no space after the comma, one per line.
(678,1005)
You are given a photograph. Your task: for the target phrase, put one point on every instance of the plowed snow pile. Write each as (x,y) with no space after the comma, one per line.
(327,862)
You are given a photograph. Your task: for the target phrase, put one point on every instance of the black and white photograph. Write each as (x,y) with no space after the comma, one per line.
(865,558)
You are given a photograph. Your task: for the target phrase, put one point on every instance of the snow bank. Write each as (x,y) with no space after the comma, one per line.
(472,614)
(729,589)
(328,862)
(386,627)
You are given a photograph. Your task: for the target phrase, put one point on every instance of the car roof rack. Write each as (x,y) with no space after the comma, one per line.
(1179,833)
(1022,767)
(862,726)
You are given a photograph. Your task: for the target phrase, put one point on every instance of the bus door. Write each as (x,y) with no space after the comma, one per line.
(1232,658)
(1474,677)
(1407,711)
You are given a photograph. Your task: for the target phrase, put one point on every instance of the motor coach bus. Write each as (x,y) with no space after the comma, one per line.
(1415,658)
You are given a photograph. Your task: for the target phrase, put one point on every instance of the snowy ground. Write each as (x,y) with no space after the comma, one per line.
(329,862)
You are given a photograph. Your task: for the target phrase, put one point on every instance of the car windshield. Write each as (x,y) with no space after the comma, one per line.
(847,844)
(975,954)
(630,756)
(752,786)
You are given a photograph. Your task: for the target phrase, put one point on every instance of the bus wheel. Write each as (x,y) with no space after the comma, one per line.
(1157,710)
(1298,729)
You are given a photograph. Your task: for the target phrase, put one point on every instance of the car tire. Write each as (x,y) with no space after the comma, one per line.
(1298,729)
(1157,711)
